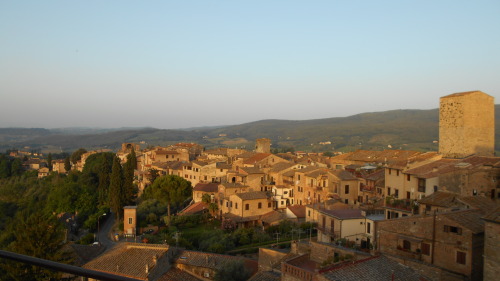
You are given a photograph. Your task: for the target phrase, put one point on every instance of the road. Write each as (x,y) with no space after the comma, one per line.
(104,235)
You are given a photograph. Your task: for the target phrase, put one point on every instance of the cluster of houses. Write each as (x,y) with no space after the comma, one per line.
(399,214)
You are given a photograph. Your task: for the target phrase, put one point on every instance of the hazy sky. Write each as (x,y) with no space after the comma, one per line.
(177,64)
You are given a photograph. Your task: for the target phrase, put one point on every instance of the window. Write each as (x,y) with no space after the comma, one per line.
(406,245)
(390,171)
(227,204)
(236,205)
(408,177)
(368,227)
(309,213)
(396,193)
(426,249)
(247,206)
(298,177)
(461,257)
(388,191)
(397,173)
(269,204)
(130,220)
(421,185)
(407,195)
(231,204)
(453,229)
(259,205)
(346,189)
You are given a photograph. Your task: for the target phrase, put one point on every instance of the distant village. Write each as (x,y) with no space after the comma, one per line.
(379,215)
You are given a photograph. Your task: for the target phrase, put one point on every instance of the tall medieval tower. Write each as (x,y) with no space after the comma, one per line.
(467,125)
(263,146)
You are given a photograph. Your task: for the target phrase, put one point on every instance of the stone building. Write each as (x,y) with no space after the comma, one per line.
(263,145)
(467,125)
(450,244)
(491,245)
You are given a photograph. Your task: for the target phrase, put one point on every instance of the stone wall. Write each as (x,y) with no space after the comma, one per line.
(491,251)
(466,125)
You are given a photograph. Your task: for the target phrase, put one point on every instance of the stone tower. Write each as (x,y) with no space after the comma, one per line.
(467,125)
(263,146)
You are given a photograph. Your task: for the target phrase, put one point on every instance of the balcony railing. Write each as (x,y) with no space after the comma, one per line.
(329,231)
(410,205)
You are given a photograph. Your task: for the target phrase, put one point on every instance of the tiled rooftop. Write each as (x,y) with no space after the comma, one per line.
(128,259)
(343,213)
(373,269)
(175,274)
(210,260)
(206,187)
(253,195)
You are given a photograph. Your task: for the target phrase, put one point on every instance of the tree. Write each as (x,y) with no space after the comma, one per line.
(116,194)
(206,198)
(153,174)
(232,271)
(49,161)
(213,208)
(128,173)
(4,166)
(36,236)
(169,189)
(16,167)
(67,164)
(104,178)
(77,155)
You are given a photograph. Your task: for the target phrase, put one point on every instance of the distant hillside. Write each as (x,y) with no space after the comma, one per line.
(406,129)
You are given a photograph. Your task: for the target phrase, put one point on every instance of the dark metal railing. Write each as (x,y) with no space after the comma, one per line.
(64,267)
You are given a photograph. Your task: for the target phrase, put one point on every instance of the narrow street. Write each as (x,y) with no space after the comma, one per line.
(104,235)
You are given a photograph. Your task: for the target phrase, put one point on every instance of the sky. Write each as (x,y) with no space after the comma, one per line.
(180,64)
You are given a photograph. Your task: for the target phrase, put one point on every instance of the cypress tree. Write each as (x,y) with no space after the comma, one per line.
(103,187)
(49,161)
(116,195)
(67,164)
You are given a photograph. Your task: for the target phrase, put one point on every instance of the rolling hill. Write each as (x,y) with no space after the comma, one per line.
(405,129)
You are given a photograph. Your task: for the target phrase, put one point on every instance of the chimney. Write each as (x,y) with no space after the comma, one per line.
(147,269)
(155,260)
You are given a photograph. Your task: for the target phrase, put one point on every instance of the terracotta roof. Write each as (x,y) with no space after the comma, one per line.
(290,173)
(256,158)
(344,175)
(206,187)
(199,163)
(432,169)
(464,94)
(128,259)
(233,185)
(194,208)
(298,210)
(273,216)
(377,175)
(373,268)
(221,165)
(217,151)
(469,219)
(266,276)
(213,261)
(251,170)
(343,214)
(175,274)
(440,198)
(253,195)
(479,202)
(493,216)
(278,167)
(164,152)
